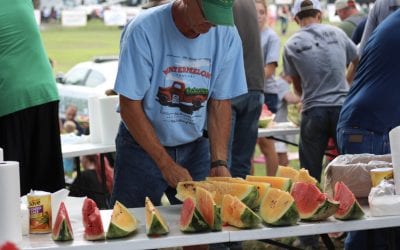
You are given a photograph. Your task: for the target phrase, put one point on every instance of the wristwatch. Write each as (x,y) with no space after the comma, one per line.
(218,163)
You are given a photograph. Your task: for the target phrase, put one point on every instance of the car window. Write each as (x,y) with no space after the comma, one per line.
(94,78)
(76,76)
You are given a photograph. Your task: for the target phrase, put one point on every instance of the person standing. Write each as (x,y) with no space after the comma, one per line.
(370,111)
(29,122)
(270,44)
(246,109)
(180,64)
(349,15)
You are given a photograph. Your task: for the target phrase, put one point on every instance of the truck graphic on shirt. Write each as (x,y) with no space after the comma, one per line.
(186,99)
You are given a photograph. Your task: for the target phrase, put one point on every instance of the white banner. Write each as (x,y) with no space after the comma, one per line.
(73,18)
(115,17)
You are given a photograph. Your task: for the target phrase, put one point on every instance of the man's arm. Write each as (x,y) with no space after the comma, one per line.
(269,70)
(143,132)
(219,129)
(297,85)
(351,71)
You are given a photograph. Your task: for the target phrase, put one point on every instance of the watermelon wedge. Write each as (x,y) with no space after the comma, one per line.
(191,220)
(92,221)
(349,208)
(62,230)
(312,204)
(208,209)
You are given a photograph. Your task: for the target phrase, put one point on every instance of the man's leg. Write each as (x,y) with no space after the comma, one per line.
(246,111)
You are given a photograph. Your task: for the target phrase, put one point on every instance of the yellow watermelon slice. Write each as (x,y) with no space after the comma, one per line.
(155,223)
(312,204)
(237,214)
(278,208)
(282,183)
(122,224)
(349,208)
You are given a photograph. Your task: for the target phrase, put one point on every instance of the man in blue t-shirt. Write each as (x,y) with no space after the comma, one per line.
(180,64)
(370,111)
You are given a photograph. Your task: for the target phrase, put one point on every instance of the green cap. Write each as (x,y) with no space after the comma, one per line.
(218,12)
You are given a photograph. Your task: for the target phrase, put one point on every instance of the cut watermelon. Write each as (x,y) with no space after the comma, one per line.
(237,214)
(62,230)
(312,204)
(208,209)
(349,208)
(191,220)
(92,221)
(278,208)
(155,223)
(266,117)
(122,224)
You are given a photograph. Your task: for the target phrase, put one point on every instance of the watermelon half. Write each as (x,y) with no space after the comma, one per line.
(92,221)
(312,204)
(62,230)
(349,208)
(191,220)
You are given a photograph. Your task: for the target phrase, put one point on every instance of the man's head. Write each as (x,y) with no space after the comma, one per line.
(305,9)
(70,113)
(195,17)
(345,8)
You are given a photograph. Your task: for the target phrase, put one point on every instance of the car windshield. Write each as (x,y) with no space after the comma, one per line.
(94,79)
(76,76)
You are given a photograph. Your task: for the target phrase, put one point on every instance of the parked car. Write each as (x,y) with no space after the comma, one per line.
(91,78)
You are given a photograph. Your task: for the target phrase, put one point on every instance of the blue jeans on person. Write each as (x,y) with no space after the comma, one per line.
(318,124)
(358,141)
(136,175)
(271,100)
(246,110)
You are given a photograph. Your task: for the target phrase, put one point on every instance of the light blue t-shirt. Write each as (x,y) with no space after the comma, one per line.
(271,46)
(175,75)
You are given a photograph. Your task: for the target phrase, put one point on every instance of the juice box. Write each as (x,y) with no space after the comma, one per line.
(39,205)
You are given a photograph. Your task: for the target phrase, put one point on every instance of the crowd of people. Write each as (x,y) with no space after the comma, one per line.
(225,51)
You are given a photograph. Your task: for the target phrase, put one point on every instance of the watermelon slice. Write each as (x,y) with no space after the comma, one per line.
(312,204)
(266,117)
(349,208)
(155,223)
(278,208)
(237,214)
(191,220)
(62,230)
(208,209)
(92,221)
(122,224)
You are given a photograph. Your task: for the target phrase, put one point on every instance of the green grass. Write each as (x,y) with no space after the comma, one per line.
(69,46)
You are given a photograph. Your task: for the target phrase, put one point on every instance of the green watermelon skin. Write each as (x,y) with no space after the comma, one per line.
(217,226)
(64,233)
(327,209)
(250,219)
(191,220)
(349,208)
(156,228)
(115,232)
(252,198)
(290,218)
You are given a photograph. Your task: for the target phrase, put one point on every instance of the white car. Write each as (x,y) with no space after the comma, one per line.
(86,79)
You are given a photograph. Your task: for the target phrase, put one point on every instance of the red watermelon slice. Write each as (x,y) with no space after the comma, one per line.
(62,230)
(349,208)
(312,204)
(92,221)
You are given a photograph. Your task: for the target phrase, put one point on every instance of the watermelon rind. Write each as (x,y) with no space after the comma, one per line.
(249,219)
(237,214)
(325,210)
(115,231)
(64,233)
(252,199)
(354,213)
(289,218)
(217,226)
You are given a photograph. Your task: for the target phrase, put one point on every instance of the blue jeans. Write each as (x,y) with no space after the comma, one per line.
(358,141)
(246,110)
(317,126)
(136,175)
(271,100)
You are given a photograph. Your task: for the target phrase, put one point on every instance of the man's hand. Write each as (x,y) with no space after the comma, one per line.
(175,173)
(220,171)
